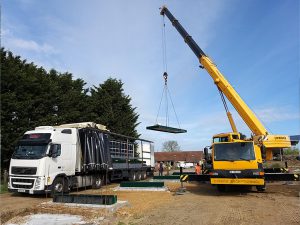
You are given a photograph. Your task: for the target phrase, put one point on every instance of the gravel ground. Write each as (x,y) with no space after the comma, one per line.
(201,204)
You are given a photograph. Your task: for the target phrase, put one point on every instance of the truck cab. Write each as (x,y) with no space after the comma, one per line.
(226,137)
(40,156)
(236,163)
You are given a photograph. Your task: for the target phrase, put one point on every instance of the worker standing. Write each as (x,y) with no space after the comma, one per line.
(161,169)
(197,169)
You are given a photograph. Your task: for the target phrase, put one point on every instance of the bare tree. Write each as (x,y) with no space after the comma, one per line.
(171,146)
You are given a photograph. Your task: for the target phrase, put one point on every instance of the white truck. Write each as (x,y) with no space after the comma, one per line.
(58,159)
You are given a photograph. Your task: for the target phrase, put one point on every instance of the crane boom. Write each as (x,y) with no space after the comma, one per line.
(241,107)
(261,137)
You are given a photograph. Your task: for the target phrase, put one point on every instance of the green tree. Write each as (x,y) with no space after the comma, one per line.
(112,107)
(30,97)
(171,146)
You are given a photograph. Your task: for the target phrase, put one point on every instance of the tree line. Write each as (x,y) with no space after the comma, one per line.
(32,96)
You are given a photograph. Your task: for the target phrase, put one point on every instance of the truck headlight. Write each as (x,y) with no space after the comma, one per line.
(38,182)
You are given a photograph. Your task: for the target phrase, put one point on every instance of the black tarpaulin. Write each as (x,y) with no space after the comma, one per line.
(95,150)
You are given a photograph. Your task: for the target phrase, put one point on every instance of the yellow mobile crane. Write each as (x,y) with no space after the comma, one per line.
(235,161)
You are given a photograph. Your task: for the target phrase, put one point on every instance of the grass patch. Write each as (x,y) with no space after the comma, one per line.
(3,188)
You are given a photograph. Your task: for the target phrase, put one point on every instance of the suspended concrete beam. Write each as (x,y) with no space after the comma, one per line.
(161,128)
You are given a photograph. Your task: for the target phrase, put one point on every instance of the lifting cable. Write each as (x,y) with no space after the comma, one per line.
(223,100)
(166,95)
(229,116)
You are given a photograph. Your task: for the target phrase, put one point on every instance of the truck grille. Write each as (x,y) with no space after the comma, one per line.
(248,173)
(23,170)
(22,183)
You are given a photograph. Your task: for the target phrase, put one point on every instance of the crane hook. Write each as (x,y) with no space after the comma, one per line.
(165,75)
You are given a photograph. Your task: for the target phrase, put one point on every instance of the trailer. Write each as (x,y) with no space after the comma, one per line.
(57,159)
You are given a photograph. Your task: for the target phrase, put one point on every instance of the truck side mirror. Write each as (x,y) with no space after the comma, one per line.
(206,153)
(54,151)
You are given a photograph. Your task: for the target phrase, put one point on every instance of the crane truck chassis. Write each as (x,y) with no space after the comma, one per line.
(235,161)
(57,159)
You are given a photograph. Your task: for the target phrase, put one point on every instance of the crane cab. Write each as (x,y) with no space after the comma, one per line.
(226,137)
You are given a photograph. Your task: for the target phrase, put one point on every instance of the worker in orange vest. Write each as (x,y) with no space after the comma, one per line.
(198,169)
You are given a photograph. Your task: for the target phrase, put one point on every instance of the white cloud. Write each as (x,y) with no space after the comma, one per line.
(28,45)
(273,114)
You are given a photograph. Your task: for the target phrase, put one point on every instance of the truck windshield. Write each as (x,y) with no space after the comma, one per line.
(238,151)
(30,152)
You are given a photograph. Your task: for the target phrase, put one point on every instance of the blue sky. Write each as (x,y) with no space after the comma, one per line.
(255,44)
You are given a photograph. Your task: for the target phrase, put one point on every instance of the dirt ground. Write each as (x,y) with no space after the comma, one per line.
(201,204)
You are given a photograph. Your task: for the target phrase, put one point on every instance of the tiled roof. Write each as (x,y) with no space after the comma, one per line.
(187,156)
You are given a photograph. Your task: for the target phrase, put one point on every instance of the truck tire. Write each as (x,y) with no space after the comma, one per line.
(60,185)
(143,175)
(221,187)
(97,182)
(132,176)
(261,188)
(138,175)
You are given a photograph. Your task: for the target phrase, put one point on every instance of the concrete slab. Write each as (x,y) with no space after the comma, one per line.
(168,180)
(140,189)
(110,208)
(51,219)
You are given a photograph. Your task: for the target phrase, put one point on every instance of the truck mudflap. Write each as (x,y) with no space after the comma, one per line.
(238,181)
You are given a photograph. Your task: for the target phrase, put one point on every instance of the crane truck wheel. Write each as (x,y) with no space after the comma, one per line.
(60,185)
(261,188)
(221,187)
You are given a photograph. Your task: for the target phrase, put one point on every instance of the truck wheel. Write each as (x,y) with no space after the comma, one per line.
(221,187)
(60,185)
(143,175)
(97,182)
(132,176)
(138,175)
(261,188)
